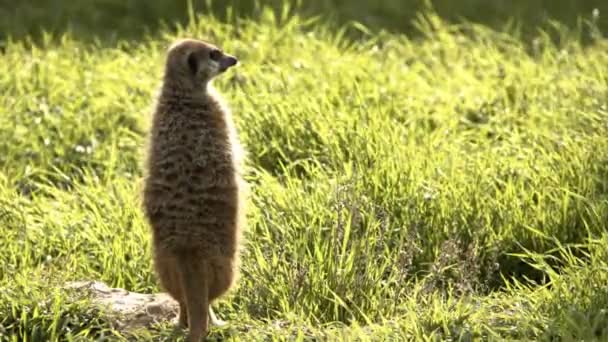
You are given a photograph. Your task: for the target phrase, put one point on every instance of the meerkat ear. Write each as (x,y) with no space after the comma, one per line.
(193,62)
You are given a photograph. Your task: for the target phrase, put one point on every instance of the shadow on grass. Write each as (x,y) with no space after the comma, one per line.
(112,20)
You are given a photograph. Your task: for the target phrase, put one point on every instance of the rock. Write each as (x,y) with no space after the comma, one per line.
(128,310)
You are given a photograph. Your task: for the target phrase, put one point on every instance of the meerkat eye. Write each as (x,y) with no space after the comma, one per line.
(215,55)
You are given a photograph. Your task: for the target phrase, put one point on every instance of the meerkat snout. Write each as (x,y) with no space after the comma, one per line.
(224,60)
(221,61)
(227,61)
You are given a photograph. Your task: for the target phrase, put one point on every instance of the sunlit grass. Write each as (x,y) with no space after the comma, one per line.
(452,186)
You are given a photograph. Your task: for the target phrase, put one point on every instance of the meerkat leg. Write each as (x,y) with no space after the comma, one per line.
(193,276)
(223,279)
(166,269)
(182,320)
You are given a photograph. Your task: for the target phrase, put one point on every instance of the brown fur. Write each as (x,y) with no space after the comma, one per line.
(193,188)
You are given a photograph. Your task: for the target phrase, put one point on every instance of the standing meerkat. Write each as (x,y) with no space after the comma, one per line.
(193,192)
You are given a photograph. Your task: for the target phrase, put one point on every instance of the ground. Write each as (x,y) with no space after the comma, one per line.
(449,184)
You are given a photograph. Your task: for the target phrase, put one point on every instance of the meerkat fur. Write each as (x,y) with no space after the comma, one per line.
(193,190)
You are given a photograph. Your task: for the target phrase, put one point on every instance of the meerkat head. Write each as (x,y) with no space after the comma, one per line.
(194,62)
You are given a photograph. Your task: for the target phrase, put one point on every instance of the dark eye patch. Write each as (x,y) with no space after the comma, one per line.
(193,63)
(215,55)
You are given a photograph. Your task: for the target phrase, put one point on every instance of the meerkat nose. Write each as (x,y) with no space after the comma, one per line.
(227,61)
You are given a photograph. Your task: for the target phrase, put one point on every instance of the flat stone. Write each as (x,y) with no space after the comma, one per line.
(128,310)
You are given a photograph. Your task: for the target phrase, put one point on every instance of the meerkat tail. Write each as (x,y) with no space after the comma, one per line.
(195,284)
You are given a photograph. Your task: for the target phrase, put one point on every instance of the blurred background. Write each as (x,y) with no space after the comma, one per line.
(131,19)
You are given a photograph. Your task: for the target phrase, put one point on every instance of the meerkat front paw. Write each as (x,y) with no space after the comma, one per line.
(214,320)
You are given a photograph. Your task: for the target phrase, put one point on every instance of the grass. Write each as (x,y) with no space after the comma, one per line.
(451,186)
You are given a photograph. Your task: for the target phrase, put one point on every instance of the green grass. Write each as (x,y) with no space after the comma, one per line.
(452,186)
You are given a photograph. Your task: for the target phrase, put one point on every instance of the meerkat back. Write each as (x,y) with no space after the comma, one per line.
(193,193)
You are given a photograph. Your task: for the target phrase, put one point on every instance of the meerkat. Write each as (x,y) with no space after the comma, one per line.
(193,189)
